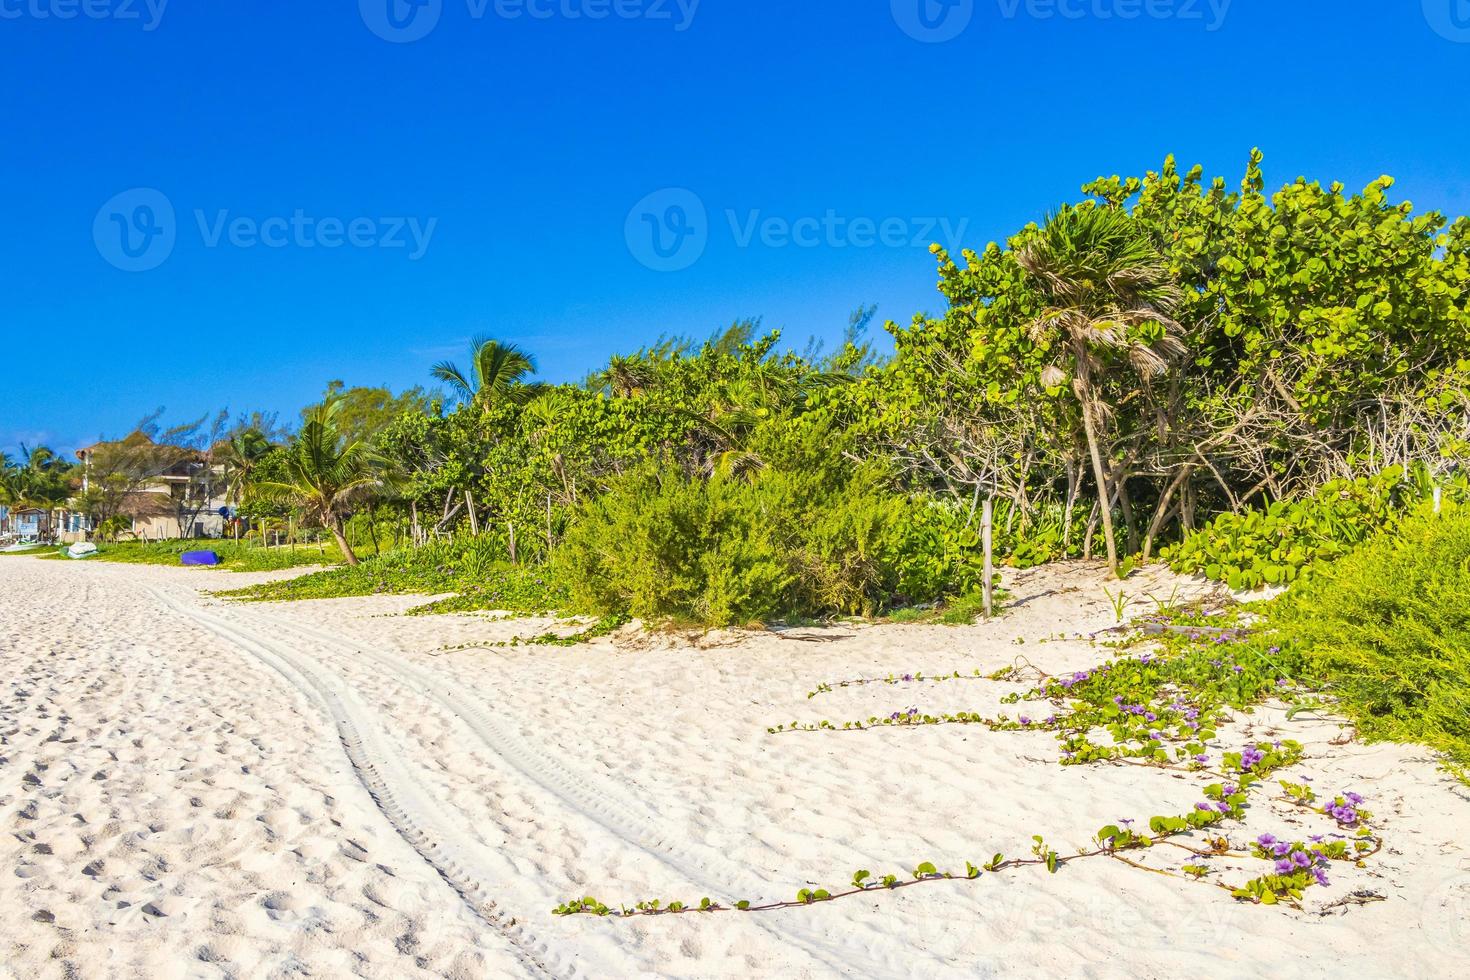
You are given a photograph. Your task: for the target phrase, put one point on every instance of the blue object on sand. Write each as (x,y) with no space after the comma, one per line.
(200,558)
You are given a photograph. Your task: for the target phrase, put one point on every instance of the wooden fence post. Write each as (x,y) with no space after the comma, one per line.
(987,528)
(474,518)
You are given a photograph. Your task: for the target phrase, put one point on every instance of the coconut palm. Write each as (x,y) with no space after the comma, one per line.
(240,456)
(1108,296)
(497,374)
(326,474)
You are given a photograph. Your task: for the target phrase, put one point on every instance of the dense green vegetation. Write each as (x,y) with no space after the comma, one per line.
(1278,544)
(1388,628)
(1169,362)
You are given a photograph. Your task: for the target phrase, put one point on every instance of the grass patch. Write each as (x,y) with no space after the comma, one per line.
(234,557)
(468,568)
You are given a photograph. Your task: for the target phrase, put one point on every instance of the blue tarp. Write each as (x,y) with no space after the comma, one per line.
(200,558)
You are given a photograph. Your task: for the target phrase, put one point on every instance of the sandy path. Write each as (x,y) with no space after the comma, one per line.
(369,803)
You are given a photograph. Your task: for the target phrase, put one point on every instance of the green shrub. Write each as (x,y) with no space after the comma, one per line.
(1388,626)
(727,550)
(1276,546)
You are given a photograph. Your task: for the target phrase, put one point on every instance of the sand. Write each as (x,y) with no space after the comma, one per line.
(192,788)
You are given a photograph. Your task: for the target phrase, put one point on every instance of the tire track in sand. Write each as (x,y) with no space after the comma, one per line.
(394,789)
(597,800)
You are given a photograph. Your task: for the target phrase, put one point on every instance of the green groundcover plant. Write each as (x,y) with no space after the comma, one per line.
(1389,626)
(1279,544)
(469,568)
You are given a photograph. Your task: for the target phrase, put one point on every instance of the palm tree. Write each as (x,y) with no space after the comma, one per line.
(497,374)
(240,456)
(326,474)
(1107,292)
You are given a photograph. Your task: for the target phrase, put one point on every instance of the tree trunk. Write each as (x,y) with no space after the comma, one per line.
(1084,395)
(347,553)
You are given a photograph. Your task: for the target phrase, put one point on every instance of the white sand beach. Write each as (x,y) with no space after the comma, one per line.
(192,788)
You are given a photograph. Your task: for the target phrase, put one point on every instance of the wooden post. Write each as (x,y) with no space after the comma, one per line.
(512,526)
(548,527)
(987,528)
(1438,499)
(474,518)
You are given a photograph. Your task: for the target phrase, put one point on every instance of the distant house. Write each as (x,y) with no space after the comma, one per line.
(154,509)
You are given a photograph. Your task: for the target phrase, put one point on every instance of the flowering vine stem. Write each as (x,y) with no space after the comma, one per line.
(1223,802)
(1160,709)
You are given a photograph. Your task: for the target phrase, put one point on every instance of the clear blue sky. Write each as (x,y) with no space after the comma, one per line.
(528,141)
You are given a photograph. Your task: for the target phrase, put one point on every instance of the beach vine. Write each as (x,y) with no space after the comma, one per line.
(1160,707)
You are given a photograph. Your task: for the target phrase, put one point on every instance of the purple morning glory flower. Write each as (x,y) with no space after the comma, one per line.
(1321,877)
(1201,759)
(1301,860)
(1266,840)
(1282,849)
(1353,798)
(1283,867)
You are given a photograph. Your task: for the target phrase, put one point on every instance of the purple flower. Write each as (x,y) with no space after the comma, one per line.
(1283,867)
(1266,840)
(1353,798)
(1202,806)
(1223,807)
(1301,859)
(1201,758)
(1282,849)
(1150,716)
(1321,877)
(1025,720)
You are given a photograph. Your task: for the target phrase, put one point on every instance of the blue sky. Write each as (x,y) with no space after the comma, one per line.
(796,158)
